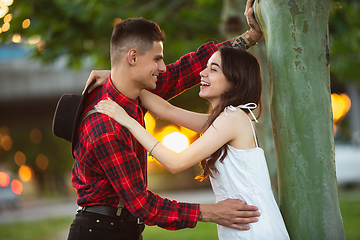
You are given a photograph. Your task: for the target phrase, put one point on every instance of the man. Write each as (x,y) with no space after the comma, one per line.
(110,169)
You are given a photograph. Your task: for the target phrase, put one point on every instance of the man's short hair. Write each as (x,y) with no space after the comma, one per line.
(137,33)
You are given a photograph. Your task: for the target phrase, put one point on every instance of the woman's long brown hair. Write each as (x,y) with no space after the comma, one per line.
(242,70)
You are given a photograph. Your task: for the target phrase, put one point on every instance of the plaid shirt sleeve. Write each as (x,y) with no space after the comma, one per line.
(185,73)
(114,149)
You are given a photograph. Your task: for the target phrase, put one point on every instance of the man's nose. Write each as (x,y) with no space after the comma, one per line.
(162,67)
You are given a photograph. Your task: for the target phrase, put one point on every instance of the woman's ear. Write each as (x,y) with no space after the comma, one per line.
(132,56)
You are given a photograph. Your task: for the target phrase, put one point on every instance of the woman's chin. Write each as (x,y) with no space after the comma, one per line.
(201,95)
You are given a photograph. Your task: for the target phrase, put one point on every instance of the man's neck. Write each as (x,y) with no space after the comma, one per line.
(122,82)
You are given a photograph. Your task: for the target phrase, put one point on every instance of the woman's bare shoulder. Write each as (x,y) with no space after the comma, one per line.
(234,119)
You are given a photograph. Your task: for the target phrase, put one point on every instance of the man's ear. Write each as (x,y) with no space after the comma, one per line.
(132,56)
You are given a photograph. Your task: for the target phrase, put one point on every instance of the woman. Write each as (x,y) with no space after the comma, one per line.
(231,82)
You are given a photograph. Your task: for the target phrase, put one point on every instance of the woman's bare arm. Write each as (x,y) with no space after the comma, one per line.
(220,133)
(163,109)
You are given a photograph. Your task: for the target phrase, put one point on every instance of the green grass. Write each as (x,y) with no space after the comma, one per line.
(201,231)
(37,230)
(48,229)
(51,229)
(350,211)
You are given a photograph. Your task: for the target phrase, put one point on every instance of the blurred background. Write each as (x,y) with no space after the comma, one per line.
(48,48)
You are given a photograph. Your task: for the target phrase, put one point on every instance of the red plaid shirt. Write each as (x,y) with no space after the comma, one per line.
(111,165)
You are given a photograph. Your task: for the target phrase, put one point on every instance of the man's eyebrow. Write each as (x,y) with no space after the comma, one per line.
(159,56)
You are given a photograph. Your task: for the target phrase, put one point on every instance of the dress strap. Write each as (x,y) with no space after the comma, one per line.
(248,106)
(253,130)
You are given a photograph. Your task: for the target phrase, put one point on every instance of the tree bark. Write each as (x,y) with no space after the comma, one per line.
(296,35)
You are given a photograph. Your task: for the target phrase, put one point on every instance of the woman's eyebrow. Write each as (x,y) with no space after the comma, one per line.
(215,64)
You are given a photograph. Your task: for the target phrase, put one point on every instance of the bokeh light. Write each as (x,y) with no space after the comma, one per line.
(26,173)
(20,158)
(16,186)
(3,10)
(4,179)
(8,18)
(35,135)
(176,141)
(42,161)
(150,122)
(41,47)
(5,27)
(34,39)
(26,23)
(338,5)
(8,2)
(167,130)
(116,21)
(16,38)
(187,132)
(341,104)
(6,143)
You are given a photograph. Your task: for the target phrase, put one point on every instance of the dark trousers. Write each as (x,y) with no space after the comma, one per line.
(93,226)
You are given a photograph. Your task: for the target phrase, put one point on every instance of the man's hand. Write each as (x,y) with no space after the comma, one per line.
(230,213)
(255,30)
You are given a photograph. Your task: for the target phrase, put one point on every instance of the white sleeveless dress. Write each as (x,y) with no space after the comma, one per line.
(244,175)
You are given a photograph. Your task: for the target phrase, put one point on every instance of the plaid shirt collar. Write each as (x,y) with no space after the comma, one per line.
(131,105)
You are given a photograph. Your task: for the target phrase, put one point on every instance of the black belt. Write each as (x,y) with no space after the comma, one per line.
(121,213)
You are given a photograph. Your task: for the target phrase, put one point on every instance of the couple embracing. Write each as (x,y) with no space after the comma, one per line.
(110,169)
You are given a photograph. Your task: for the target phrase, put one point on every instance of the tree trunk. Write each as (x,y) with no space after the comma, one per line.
(296,35)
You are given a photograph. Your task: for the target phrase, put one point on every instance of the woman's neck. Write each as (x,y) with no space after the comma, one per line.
(214,103)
